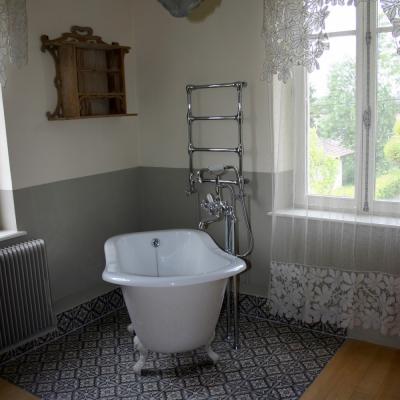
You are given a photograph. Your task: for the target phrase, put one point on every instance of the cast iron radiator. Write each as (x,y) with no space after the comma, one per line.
(26,308)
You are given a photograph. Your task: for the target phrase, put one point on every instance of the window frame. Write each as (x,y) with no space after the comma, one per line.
(380,207)
(301,120)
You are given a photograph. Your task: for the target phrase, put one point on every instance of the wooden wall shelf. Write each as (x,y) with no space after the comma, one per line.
(90,75)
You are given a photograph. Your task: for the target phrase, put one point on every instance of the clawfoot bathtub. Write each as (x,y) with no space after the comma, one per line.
(173,283)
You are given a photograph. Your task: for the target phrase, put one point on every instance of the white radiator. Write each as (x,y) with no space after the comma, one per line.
(25,302)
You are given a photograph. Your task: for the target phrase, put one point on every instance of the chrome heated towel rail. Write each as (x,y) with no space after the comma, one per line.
(214,176)
(238,117)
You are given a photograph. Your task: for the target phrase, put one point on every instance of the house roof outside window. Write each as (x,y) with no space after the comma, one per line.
(334,149)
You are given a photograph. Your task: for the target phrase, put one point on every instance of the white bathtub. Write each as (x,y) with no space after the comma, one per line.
(173,292)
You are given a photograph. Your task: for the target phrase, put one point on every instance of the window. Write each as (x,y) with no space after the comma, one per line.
(351,116)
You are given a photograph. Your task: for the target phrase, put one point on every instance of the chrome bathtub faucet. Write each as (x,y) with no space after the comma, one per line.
(215,208)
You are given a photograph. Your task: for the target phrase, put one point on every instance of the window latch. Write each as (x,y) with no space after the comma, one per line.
(368,38)
(367,118)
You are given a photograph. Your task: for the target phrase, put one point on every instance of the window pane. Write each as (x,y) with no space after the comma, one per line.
(332,124)
(383,20)
(387,155)
(341,19)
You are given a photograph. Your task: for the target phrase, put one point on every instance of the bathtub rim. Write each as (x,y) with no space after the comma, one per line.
(132,280)
(227,270)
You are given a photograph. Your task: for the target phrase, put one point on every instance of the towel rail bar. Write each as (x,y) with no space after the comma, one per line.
(214,118)
(237,150)
(216,85)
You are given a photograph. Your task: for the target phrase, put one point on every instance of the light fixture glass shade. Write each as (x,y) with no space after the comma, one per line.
(180,8)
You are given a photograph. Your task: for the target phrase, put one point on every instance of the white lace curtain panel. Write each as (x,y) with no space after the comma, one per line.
(327,268)
(13,35)
(294,32)
(345,299)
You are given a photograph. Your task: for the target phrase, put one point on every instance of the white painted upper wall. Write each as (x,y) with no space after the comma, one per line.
(172,52)
(43,151)
(5,173)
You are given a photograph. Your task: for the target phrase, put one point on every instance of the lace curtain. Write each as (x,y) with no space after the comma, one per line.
(13,35)
(332,267)
(294,32)
(345,299)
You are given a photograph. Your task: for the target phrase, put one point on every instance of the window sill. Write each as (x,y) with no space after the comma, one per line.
(338,217)
(6,235)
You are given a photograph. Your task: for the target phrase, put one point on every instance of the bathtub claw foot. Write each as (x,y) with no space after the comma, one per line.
(210,352)
(130,328)
(137,368)
(213,355)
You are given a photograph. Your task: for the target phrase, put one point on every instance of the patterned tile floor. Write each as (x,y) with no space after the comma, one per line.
(275,362)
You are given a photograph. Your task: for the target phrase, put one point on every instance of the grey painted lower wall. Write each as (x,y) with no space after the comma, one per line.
(164,204)
(75,217)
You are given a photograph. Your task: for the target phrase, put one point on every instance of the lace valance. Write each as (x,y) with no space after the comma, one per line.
(294,32)
(13,35)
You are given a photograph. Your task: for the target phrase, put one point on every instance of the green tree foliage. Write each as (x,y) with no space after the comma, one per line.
(334,114)
(387,110)
(388,185)
(388,103)
(323,169)
(392,147)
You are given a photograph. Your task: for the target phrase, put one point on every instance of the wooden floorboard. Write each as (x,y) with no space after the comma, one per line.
(12,392)
(359,371)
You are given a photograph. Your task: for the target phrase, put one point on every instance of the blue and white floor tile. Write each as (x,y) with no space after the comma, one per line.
(275,361)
